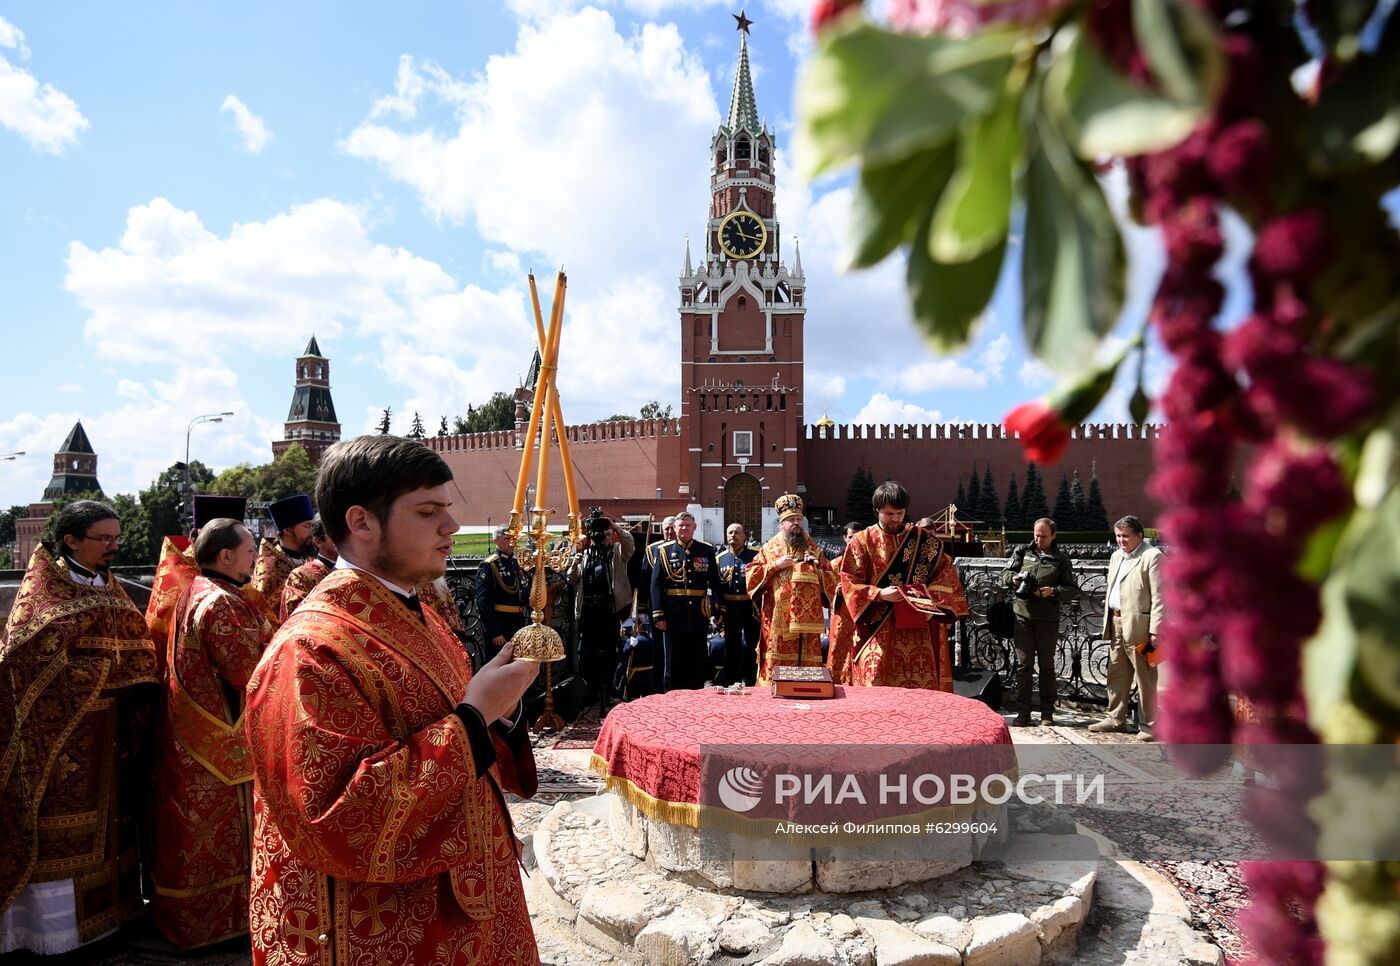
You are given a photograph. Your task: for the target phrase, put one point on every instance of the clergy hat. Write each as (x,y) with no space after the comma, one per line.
(209,507)
(291,511)
(789,505)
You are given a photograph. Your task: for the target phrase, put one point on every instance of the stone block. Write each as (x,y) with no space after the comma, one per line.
(627,826)
(739,937)
(772,875)
(803,946)
(1133,887)
(680,938)
(621,911)
(675,848)
(1203,954)
(1051,858)
(545,901)
(844,927)
(946,930)
(1007,939)
(898,946)
(847,875)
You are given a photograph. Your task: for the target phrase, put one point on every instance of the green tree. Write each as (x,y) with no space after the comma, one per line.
(287,475)
(618,418)
(1079,504)
(1034,503)
(495,414)
(442,427)
(989,509)
(1064,505)
(960,501)
(46,534)
(137,546)
(7,523)
(386,421)
(1015,517)
(1095,513)
(416,431)
(974,495)
(858,496)
(653,410)
(161,501)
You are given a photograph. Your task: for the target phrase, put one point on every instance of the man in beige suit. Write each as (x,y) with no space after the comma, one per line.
(1133,613)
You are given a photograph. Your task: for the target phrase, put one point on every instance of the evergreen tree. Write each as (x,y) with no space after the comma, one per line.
(1013,512)
(1095,513)
(989,509)
(442,427)
(1064,505)
(960,501)
(416,430)
(385,421)
(653,410)
(974,495)
(1034,504)
(1078,504)
(495,414)
(858,496)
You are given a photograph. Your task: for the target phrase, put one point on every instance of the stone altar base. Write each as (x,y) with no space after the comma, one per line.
(1020,910)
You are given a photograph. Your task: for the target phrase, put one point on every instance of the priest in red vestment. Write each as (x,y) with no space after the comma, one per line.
(790,579)
(203,782)
(308,575)
(77,702)
(381,833)
(877,638)
(279,556)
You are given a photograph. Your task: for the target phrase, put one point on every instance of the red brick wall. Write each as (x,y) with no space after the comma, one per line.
(929,464)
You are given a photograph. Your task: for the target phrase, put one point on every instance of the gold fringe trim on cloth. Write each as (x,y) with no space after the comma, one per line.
(712,817)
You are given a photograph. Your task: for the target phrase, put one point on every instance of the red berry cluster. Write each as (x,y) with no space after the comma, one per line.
(1263,394)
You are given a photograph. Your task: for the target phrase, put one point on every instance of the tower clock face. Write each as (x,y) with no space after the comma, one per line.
(742,235)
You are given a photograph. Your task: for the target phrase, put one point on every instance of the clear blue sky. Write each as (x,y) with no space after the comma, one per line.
(188,191)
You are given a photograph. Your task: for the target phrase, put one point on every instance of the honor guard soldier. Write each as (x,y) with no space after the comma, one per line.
(736,607)
(502,594)
(684,582)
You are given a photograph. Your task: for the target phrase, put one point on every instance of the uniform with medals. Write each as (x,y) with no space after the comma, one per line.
(684,581)
(740,625)
(502,599)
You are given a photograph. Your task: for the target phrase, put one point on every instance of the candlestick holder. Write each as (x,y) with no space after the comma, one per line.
(537,641)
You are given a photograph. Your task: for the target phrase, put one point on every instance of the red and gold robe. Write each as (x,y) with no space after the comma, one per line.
(203,777)
(790,606)
(175,572)
(270,574)
(299,583)
(73,724)
(374,840)
(868,648)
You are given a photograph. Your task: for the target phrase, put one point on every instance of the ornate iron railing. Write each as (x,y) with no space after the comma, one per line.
(1081,656)
(461,580)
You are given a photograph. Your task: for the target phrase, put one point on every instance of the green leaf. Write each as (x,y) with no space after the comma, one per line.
(1182,49)
(947,299)
(973,213)
(891,200)
(1373,601)
(1139,406)
(1104,113)
(1357,118)
(1073,265)
(881,96)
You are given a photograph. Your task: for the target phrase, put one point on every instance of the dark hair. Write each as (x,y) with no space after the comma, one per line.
(853,527)
(1129,522)
(75,519)
(373,472)
(1049,523)
(890,493)
(216,536)
(318,527)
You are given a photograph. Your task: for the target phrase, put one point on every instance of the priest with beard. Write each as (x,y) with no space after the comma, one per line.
(277,558)
(203,779)
(878,639)
(308,575)
(380,761)
(791,579)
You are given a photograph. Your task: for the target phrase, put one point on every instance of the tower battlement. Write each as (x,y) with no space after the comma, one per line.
(908,431)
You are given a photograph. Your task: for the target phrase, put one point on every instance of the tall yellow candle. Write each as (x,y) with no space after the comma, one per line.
(544,388)
(556,407)
(536,407)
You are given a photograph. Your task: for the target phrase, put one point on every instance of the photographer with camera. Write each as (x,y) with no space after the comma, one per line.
(604,598)
(1043,577)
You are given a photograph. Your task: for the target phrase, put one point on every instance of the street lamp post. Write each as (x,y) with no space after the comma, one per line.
(186,491)
(10,456)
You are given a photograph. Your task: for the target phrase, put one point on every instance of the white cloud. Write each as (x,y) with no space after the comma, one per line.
(882,409)
(992,359)
(941,374)
(1035,374)
(824,388)
(40,113)
(69,387)
(250,127)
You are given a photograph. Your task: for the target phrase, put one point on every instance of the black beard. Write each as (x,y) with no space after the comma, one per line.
(797,540)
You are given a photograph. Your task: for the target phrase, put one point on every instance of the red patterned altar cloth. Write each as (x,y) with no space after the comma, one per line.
(649,750)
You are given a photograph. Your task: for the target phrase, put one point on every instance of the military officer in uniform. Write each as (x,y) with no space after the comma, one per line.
(684,586)
(502,594)
(643,585)
(736,608)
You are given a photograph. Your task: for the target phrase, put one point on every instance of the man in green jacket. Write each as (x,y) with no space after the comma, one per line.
(1042,577)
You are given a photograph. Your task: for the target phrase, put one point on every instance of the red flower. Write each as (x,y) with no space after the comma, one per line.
(1042,433)
(825,11)
(962,18)
(1297,245)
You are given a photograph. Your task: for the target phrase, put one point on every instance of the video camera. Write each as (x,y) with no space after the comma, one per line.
(597,527)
